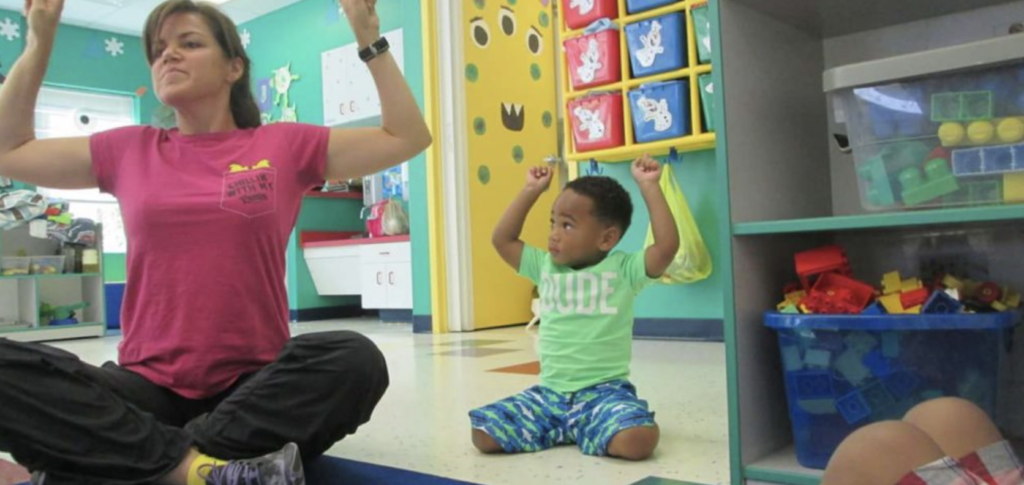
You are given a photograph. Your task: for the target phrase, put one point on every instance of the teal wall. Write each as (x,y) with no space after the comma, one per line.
(696,176)
(80,61)
(299,34)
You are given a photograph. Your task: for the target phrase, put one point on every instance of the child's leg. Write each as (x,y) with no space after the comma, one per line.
(635,443)
(958,426)
(609,420)
(882,453)
(532,420)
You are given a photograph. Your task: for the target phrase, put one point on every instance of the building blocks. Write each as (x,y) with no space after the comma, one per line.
(835,293)
(962,106)
(936,182)
(815,262)
(941,302)
(969,162)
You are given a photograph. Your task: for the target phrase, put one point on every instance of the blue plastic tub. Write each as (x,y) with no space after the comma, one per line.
(845,371)
(657,45)
(634,6)
(660,111)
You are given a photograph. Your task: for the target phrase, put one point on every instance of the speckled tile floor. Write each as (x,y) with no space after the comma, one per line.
(422,423)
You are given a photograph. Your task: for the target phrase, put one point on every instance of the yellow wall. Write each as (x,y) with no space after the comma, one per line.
(506,71)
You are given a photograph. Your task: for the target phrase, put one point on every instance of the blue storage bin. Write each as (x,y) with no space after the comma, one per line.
(842,372)
(657,45)
(634,6)
(660,111)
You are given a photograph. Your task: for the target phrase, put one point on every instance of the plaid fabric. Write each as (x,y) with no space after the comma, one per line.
(995,464)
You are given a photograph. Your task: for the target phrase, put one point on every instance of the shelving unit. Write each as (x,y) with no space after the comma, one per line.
(20,296)
(698,139)
(784,187)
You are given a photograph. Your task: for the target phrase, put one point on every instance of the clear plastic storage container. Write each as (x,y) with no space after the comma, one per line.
(938,128)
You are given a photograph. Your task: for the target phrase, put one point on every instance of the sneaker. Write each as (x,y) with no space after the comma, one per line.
(283,467)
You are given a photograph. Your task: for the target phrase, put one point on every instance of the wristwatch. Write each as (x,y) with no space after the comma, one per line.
(375,49)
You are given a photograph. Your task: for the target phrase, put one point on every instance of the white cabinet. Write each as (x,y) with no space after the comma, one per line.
(387,276)
(380,272)
(335,270)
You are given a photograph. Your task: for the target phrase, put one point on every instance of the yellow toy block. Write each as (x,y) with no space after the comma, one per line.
(805,310)
(911,284)
(952,283)
(981,132)
(792,299)
(1011,298)
(999,306)
(952,134)
(1013,187)
(914,310)
(1010,130)
(892,303)
(970,289)
(891,283)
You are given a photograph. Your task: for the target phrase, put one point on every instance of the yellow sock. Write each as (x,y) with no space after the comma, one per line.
(194,478)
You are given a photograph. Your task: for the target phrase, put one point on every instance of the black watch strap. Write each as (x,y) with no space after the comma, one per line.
(375,49)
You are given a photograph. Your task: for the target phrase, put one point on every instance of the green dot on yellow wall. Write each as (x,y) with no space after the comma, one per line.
(479,3)
(511,2)
(544,19)
(484,174)
(546,119)
(472,73)
(479,126)
(517,154)
(535,71)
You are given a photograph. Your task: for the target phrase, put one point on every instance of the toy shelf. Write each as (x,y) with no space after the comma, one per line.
(784,187)
(886,220)
(335,195)
(61,332)
(698,139)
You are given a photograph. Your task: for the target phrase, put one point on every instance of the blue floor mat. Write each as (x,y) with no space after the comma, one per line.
(329,470)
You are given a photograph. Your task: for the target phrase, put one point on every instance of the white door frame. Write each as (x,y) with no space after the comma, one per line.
(454,164)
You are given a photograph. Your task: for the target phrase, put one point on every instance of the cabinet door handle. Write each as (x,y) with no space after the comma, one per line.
(391,277)
(385,253)
(379,275)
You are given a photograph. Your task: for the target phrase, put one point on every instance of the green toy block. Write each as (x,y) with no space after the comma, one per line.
(962,106)
(903,154)
(976,105)
(791,309)
(985,191)
(946,107)
(878,189)
(938,181)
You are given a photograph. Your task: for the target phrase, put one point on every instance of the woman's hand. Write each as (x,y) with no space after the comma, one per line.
(362,16)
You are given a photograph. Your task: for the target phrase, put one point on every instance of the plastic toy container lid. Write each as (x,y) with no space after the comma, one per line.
(960,321)
(986,53)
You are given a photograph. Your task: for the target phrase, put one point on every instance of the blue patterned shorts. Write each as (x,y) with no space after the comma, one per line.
(540,418)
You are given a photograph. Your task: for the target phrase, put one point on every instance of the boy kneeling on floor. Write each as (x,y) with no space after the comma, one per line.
(587,295)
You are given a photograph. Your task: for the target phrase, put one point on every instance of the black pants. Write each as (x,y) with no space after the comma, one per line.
(107,425)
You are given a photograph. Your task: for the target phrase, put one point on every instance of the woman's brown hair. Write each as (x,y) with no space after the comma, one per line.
(243,104)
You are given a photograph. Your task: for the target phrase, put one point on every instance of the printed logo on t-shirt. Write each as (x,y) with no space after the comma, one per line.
(250,190)
(579,293)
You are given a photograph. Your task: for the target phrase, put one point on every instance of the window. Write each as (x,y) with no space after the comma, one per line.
(67,113)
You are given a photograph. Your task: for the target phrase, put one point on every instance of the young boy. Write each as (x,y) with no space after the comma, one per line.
(587,293)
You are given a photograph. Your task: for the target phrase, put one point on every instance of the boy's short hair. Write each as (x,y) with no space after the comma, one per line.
(612,204)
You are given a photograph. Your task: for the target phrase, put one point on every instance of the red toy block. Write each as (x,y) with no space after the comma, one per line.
(913,298)
(835,293)
(815,262)
(939,152)
(988,293)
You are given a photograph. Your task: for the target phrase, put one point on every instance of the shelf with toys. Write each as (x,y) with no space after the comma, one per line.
(636,78)
(886,190)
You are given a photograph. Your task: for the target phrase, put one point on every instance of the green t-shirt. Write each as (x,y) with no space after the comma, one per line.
(586,331)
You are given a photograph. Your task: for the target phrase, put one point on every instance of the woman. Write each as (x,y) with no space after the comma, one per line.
(207,371)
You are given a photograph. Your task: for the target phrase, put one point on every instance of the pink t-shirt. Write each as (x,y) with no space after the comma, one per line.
(207,219)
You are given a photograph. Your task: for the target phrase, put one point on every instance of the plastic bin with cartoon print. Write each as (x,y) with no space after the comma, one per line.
(657,45)
(597,121)
(660,111)
(594,58)
(581,13)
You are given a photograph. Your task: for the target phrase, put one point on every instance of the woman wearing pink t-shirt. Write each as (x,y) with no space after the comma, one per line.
(209,387)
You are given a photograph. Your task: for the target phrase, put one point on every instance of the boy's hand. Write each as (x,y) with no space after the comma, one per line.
(646,170)
(538,179)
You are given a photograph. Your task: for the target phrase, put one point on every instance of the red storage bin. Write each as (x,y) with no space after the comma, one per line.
(581,13)
(594,59)
(597,122)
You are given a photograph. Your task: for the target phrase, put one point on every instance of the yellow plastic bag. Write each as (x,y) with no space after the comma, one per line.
(692,262)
